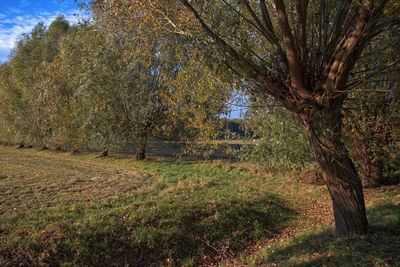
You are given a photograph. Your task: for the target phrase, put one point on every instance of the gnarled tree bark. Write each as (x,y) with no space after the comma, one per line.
(323,127)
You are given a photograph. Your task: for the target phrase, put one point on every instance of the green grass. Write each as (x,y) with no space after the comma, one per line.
(75,210)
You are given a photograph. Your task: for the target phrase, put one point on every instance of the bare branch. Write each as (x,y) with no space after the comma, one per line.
(349,52)
(247,20)
(266,32)
(266,29)
(220,42)
(266,18)
(301,9)
(271,84)
(297,84)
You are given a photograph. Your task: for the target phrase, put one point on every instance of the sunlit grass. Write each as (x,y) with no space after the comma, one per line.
(58,208)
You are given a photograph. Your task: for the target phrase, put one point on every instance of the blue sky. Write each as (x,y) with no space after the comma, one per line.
(20,16)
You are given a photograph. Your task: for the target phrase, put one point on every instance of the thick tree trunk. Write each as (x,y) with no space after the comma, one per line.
(324,131)
(141,152)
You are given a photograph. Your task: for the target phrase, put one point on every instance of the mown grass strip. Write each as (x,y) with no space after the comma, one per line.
(59,209)
(189,211)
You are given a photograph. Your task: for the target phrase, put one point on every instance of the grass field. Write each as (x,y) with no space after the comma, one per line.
(80,210)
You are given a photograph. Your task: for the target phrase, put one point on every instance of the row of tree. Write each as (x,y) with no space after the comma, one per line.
(87,87)
(144,65)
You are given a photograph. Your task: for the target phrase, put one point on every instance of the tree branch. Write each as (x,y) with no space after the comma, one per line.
(220,42)
(266,32)
(349,52)
(272,85)
(266,18)
(257,27)
(268,25)
(301,9)
(297,84)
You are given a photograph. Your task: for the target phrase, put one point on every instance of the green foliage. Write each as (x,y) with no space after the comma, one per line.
(235,127)
(279,141)
(200,96)
(198,83)
(24,81)
(89,66)
(372,116)
(10,105)
(371,128)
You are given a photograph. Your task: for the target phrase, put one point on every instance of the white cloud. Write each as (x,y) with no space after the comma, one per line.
(12,27)
(14,10)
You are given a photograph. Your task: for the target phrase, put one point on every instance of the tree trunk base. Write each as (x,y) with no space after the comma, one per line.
(103,154)
(140,153)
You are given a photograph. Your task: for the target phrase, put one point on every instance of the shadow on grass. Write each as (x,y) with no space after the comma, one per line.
(379,247)
(174,231)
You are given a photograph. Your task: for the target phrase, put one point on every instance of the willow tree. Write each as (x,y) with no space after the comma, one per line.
(300,53)
(11,105)
(168,72)
(27,63)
